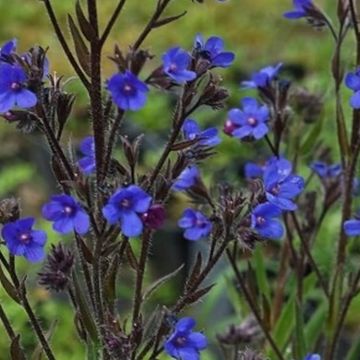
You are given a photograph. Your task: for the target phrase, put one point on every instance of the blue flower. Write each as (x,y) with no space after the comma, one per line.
(125,206)
(264,222)
(253,171)
(281,186)
(250,121)
(301,9)
(324,170)
(208,137)
(352,81)
(196,225)
(188,178)
(128,92)
(22,240)
(213,51)
(352,227)
(7,49)
(175,64)
(87,163)
(13,90)
(67,215)
(312,357)
(263,77)
(183,343)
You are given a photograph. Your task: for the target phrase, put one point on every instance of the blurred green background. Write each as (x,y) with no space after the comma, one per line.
(257,33)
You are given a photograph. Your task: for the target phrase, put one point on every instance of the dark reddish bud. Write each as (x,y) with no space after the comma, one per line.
(154,218)
(229,127)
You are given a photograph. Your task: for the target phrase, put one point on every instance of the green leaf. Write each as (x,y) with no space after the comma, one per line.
(312,137)
(315,324)
(354,353)
(8,287)
(284,326)
(158,283)
(300,342)
(81,49)
(86,316)
(260,272)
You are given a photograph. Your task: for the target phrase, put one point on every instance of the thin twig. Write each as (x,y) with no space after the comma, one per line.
(64,44)
(111,22)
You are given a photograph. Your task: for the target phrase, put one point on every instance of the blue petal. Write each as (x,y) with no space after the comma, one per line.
(272,229)
(260,131)
(63,226)
(198,340)
(131,224)
(355,100)
(26,99)
(352,81)
(39,237)
(352,227)
(188,219)
(34,253)
(224,59)
(185,324)
(111,213)
(282,203)
(81,222)
(194,233)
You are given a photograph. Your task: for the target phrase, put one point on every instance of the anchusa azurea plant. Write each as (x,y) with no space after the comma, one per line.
(263,236)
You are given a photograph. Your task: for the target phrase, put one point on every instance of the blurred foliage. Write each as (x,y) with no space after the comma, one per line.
(259,35)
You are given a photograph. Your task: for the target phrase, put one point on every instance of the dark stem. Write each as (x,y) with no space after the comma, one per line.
(161,6)
(252,305)
(64,44)
(7,324)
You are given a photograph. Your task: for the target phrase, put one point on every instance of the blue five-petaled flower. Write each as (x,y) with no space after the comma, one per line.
(125,207)
(187,178)
(263,77)
(183,343)
(128,92)
(213,51)
(324,170)
(250,121)
(281,186)
(208,137)
(176,62)
(352,81)
(66,214)
(22,240)
(301,9)
(87,163)
(263,220)
(13,91)
(196,225)
(352,227)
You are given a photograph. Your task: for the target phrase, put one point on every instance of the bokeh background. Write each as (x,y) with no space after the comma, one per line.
(256,31)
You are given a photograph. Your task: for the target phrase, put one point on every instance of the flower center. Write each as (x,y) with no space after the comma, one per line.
(68,210)
(275,190)
(15,86)
(251,121)
(173,67)
(260,220)
(25,238)
(180,341)
(127,88)
(125,203)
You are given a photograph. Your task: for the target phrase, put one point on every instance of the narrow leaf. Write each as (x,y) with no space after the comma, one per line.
(86,316)
(9,288)
(260,273)
(300,343)
(314,326)
(82,51)
(158,283)
(197,295)
(85,26)
(168,20)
